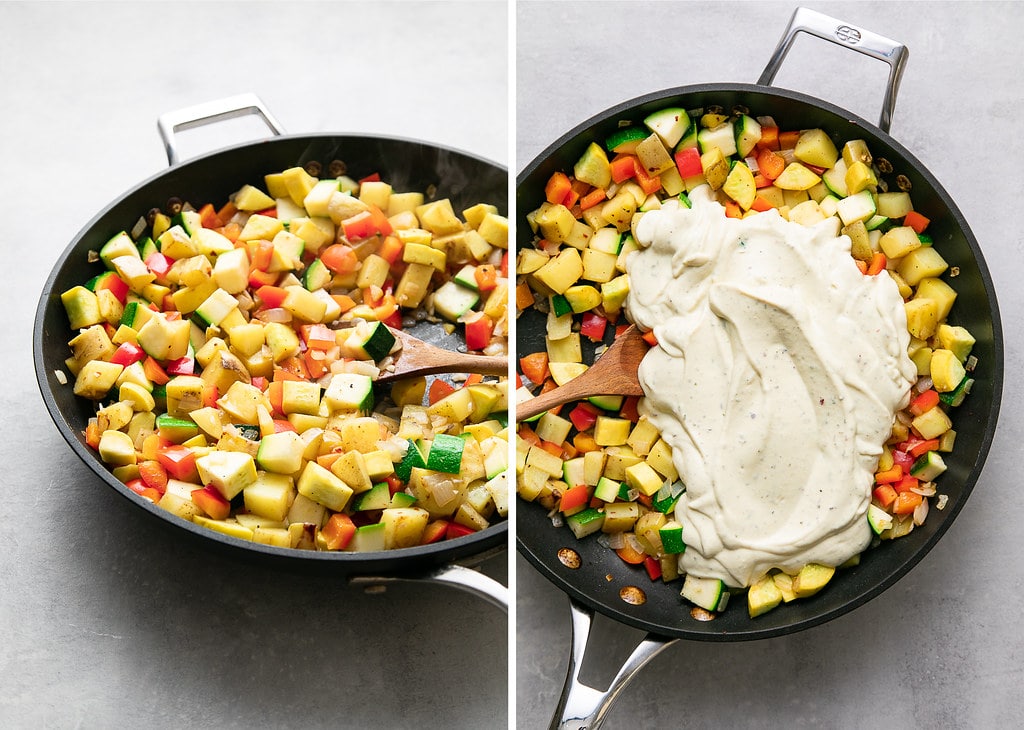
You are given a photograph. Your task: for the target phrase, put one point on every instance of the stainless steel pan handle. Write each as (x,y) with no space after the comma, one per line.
(457,576)
(209,113)
(582,707)
(849,36)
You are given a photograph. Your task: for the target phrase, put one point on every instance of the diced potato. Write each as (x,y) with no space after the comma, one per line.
(922,317)
(899,241)
(939,292)
(609,431)
(562,271)
(816,148)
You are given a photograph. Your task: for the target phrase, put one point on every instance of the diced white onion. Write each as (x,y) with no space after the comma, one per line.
(617,540)
(921,512)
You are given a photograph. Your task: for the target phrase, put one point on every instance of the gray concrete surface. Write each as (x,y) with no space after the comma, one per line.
(943,647)
(107,620)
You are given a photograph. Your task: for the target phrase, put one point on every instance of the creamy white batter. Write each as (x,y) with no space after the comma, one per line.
(778,371)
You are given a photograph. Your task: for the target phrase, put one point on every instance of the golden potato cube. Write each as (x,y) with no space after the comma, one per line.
(922,317)
(939,292)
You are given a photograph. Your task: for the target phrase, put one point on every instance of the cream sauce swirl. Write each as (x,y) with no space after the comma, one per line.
(777,375)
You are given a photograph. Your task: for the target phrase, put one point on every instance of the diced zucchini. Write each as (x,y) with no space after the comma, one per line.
(445,454)
(928,466)
(879,519)
(748,134)
(625,140)
(672,538)
(607,489)
(721,137)
(708,593)
(586,522)
(669,124)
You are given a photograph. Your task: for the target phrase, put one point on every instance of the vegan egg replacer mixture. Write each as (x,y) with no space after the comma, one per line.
(778,371)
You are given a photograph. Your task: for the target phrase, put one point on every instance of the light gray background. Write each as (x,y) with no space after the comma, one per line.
(943,648)
(106,619)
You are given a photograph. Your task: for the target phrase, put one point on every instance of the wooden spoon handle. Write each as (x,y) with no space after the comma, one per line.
(592,382)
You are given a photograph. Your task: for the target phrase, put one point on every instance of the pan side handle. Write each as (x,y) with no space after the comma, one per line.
(846,35)
(582,707)
(208,113)
(457,576)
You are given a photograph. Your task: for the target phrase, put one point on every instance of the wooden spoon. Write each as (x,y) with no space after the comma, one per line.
(421,358)
(614,373)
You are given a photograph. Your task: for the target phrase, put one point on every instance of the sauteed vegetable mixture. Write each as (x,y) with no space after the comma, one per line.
(232,352)
(599,466)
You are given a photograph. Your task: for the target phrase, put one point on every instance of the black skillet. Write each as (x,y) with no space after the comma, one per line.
(665,615)
(407,165)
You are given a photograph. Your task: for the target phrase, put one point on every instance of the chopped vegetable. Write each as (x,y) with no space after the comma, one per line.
(232,355)
(755,166)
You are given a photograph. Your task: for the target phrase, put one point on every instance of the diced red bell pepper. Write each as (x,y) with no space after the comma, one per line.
(380,221)
(504,265)
(688,162)
(339,531)
(486,277)
(114,284)
(395,484)
(593,326)
(127,354)
(270,212)
(630,554)
(153,474)
(359,226)
(212,502)
(885,495)
(649,183)
(925,401)
(905,484)
(906,503)
(890,475)
(478,332)
(623,167)
(261,253)
(140,488)
(318,336)
(454,529)
(391,249)
(769,137)
(208,217)
(372,177)
(159,265)
(916,221)
(434,532)
(653,567)
(156,374)
(283,426)
(535,366)
(877,264)
(650,338)
(259,278)
(181,366)
(770,164)
(179,461)
(438,390)
(583,416)
(272,297)
(629,409)
(574,499)
(557,188)
(594,197)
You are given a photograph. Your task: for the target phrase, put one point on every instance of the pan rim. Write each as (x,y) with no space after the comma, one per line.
(997,373)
